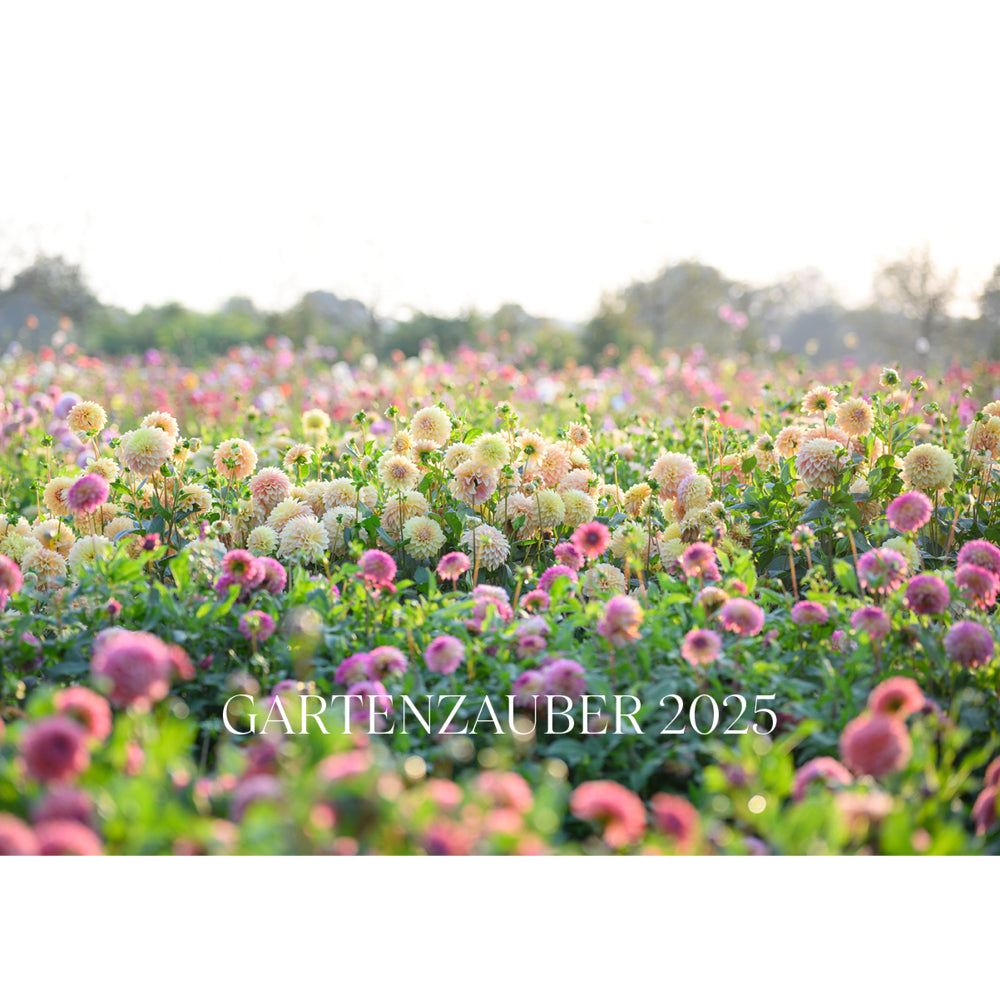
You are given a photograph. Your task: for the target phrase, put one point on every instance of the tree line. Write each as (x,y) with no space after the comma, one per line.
(907,320)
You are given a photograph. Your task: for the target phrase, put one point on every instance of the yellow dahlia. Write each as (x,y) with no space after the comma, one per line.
(105,467)
(286,511)
(636,499)
(819,399)
(48,565)
(694,492)
(312,492)
(668,470)
(100,516)
(398,473)
(86,418)
(818,461)
(123,522)
(235,459)
(670,549)
(336,521)
(145,450)
(87,550)
(54,496)
(486,545)
(491,449)
(315,424)
(303,539)
(928,468)
(195,496)
(54,534)
(474,482)
(602,580)
(262,541)
(580,508)
(550,508)
(629,541)
(456,455)
(398,510)
(166,423)
(855,417)
(423,536)
(340,492)
(431,424)
(907,549)
(13,546)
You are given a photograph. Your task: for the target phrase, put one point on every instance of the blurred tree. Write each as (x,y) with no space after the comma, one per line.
(915,288)
(58,285)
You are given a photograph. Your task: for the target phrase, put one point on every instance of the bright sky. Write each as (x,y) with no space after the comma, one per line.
(447,155)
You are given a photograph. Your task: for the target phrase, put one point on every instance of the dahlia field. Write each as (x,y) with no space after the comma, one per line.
(478,605)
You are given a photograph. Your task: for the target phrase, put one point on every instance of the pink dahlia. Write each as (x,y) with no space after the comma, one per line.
(355,668)
(11,580)
(443,654)
(535,600)
(275,576)
(452,565)
(16,838)
(133,667)
(617,810)
(368,700)
(909,512)
(505,790)
(872,620)
(54,749)
(65,803)
(875,744)
(977,585)
(86,707)
(742,616)
(67,837)
(553,573)
(386,661)
(701,646)
(980,553)
(87,494)
(565,677)
(592,539)
(244,567)
(898,696)
(831,772)
(698,559)
(257,625)
(882,570)
(269,487)
(927,595)
(969,644)
(677,818)
(569,555)
(527,688)
(620,622)
(377,568)
(984,809)
(809,613)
